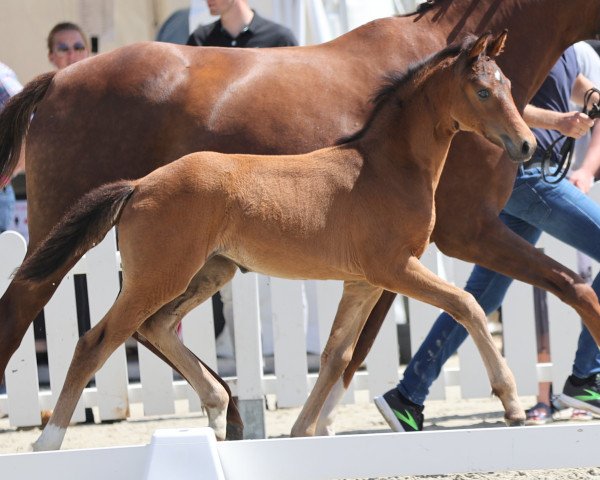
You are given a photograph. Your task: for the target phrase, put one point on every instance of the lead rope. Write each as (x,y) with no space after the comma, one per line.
(566,151)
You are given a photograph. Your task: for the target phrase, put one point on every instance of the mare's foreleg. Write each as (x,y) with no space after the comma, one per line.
(500,249)
(357,301)
(420,283)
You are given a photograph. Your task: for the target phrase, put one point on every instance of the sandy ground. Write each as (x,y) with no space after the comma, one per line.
(359,418)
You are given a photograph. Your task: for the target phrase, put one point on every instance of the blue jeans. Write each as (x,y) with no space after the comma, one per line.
(534,206)
(7,207)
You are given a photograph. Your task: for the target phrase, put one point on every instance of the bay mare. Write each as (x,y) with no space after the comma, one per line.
(125,113)
(329,214)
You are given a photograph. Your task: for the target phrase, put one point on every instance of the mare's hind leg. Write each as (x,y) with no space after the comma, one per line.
(160,331)
(357,301)
(420,283)
(19,306)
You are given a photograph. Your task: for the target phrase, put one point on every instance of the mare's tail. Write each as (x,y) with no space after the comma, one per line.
(14,120)
(83,226)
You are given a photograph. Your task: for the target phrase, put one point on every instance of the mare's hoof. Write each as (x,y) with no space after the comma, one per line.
(45,416)
(234,432)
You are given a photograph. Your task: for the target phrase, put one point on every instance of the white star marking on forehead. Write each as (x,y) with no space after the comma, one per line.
(498,76)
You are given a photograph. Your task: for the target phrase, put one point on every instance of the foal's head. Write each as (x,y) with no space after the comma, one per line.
(482,101)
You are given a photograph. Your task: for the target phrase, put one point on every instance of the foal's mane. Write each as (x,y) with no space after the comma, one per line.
(393,81)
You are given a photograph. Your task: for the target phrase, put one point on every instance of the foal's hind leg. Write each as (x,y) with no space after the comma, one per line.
(93,349)
(356,304)
(214,397)
(418,282)
(160,331)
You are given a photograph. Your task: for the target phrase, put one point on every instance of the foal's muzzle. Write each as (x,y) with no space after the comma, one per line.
(520,151)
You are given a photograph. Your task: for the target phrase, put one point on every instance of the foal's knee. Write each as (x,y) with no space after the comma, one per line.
(336,359)
(90,341)
(468,311)
(584,293)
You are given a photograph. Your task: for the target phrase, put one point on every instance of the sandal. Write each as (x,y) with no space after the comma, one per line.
(539,414)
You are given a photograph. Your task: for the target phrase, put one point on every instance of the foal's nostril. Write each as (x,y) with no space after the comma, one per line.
(526,148)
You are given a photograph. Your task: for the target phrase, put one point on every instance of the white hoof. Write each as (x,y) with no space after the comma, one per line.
(50,439)
(217,420)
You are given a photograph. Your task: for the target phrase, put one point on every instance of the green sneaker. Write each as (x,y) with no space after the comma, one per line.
(400,414)
(583,394)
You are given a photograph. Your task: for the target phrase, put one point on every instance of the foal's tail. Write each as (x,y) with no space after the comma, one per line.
(14,120)
(83,226)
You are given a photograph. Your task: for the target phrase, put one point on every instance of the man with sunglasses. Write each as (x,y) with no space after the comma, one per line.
(67,44)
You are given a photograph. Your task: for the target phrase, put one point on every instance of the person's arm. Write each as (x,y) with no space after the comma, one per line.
(570,124)
(580,87)
(583,177)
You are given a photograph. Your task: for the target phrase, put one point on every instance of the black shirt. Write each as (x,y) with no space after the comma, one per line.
(259,33)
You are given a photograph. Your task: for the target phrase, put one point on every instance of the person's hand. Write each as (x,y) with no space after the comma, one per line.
(582,179)
(573,124)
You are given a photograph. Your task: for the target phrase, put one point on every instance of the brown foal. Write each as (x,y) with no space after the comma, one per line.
(124,113)
(328,214)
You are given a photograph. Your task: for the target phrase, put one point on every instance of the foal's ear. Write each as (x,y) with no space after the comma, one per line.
(497,46)
(480,46)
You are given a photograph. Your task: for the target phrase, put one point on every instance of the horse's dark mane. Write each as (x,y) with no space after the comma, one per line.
(393,81)
(423,7)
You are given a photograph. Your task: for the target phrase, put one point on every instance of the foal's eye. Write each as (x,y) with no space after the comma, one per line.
(484,93)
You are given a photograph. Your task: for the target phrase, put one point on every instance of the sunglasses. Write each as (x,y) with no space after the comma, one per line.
(63,48)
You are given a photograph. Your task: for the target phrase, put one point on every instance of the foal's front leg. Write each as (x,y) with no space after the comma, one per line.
(357,302)
(418,282)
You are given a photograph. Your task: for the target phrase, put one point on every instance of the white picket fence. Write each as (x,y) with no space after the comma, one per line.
(291,383)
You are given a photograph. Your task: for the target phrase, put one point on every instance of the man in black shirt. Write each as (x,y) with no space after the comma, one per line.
(240,26)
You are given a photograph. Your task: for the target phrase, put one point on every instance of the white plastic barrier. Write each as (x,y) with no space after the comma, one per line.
(187,454)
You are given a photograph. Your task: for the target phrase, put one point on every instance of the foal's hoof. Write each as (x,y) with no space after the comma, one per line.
(325,430)
(519,422)
(234,432)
